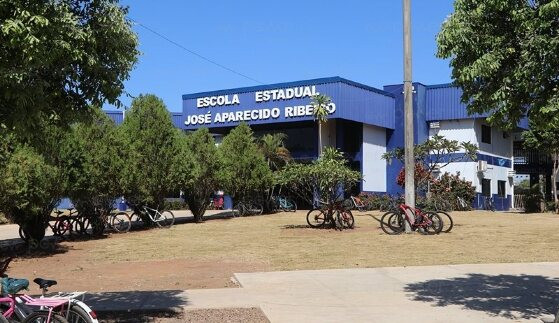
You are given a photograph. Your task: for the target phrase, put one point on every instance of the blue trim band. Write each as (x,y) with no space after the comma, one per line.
(335,79)
(491,160)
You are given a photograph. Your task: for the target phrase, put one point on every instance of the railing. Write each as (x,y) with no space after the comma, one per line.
(519,201)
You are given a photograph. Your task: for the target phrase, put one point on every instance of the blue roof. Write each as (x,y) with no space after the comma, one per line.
(444,102)
(115,115)
(324,80)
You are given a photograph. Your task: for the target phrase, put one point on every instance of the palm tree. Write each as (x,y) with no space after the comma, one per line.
(320,105)
(273,148)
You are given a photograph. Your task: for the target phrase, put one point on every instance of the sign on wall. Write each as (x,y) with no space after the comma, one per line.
(275,104)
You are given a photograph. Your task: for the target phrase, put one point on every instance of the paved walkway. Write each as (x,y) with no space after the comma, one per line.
(455,293)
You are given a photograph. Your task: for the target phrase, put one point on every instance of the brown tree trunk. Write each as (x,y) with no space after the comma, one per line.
(197,206)
(554,181)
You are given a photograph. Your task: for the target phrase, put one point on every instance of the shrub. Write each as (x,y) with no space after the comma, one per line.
(196,169)
(244,171)
(451,186)
(30,188)
(533,200)
(148,139)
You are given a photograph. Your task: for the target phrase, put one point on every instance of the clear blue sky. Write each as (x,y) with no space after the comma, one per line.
(280,41)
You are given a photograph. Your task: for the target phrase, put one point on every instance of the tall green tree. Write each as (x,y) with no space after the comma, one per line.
(320,103)
(59,57)
(148,140)
(274,150)
(244,171)
(196,168)
(92,162)
(545,138)
(504,54)
(30,187)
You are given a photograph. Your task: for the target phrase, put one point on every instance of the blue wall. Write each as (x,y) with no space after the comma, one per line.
(354,101)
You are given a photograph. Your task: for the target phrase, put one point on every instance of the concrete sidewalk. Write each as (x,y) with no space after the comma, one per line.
(455,293)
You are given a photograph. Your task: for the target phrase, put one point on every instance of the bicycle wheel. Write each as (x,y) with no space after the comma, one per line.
(85,224)
(436,224)
(448,223)
(316,218)
(348,219)
(23,235)
(76,314)
(42,317)
(166,219)
(291,205)
(120,222)
(62,226)
(392,223)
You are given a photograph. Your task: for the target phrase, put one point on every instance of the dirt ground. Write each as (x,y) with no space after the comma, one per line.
(231,315)
(206,255)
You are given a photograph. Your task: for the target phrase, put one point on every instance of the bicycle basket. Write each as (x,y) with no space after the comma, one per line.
(13,285)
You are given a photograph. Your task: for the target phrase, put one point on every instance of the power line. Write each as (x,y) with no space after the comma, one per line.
(193,52)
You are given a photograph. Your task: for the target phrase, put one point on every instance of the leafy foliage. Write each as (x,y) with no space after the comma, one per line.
(504,54)
(196,168)
(435,153)
(273,148)
(328,177)
(449,187)
(545,138)
(148,140)
(244,170)
(57,58)
(533,200)
(91,161)
(30,188)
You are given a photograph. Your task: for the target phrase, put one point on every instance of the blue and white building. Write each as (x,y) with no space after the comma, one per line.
(364,122)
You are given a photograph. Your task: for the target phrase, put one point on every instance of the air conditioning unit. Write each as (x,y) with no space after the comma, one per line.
(511,173)
(481,165)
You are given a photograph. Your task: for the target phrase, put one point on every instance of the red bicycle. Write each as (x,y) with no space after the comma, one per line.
(394,222)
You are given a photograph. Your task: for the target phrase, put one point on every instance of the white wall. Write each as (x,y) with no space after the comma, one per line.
(374,167)
(470,130)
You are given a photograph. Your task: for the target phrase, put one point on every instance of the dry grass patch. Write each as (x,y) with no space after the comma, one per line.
(205,255)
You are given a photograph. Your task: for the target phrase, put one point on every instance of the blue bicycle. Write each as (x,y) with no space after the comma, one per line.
(284,204)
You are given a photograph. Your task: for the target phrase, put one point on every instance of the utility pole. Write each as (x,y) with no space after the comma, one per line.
(408,111)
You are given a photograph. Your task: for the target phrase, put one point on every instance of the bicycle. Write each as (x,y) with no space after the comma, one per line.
(164,219)
(489,204)
(21,306)
(461,204)
(320,217)
(248,208)
(358,204)
(393,222)
(216,203)
(62,225)
(285,204)
(119,222)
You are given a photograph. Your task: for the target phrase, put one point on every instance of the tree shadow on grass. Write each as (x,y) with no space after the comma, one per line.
(508,296)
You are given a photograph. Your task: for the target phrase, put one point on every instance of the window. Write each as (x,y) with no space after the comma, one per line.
(485,134)
(486,187)
(501,190)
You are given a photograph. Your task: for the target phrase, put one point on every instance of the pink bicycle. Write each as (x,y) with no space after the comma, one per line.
(61,308)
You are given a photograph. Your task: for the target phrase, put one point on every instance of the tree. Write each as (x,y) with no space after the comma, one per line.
(320,105)
(273,148)
(327,178)
(545,138)
(92,163)
(435,153)
(57,58)
(504,55)
(244,171)
(30,188)
(196,169)
(147,139)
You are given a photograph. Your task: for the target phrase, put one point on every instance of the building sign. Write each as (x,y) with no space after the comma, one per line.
(214,115)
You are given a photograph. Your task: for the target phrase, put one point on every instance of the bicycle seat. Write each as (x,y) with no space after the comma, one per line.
(44,283)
